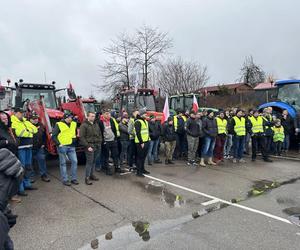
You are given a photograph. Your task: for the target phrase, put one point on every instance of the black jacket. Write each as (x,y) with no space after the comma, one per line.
(155,130)
(210,127)
(10,172)
(7,140)
(169,132)
(288,124)
(193,127)
(39,138)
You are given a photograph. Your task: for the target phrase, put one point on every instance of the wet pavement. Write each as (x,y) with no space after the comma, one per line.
(190,208)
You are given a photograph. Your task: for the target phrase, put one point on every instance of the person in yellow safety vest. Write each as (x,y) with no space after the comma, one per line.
(256,128)
(238,128)
(24,131)
(267,116)
(278,137)
(141,140)
(132,146)
(179,122)
(221,137)
(64,136)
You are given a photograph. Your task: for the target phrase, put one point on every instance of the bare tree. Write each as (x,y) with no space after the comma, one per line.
(178,76)
(252,73)
(149,45)
(116,71)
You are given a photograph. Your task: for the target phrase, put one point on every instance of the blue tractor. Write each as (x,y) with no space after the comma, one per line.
(288,97)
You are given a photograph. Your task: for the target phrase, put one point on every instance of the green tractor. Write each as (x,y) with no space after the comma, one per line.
(185,102)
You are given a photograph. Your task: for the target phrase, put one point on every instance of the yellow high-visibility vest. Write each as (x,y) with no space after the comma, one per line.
(175,121)
(116,126)
(67,133)
(257,124)
(278,134)
(222,125)
(132,134)
(271,118)
(23,128)
(240,126)
(144,131)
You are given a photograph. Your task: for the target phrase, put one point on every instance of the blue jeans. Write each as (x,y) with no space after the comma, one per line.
(100,158)
(228,145)
(208,146)
(152,152)
(63,153)
(124,151)
(286,142)
(238,147)
(40,156)
(25,157)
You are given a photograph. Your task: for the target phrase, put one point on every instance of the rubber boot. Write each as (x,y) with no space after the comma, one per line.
(210,162)
(202,163)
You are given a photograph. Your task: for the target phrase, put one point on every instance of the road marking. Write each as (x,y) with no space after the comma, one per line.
(221,200)
(210,202)
(125,173)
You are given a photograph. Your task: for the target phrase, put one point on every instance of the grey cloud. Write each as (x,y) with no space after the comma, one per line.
(65,38)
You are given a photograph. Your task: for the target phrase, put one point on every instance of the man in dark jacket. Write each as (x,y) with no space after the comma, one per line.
(7,138)
(181,148)
(169,137)
(124,139)
(193,131)
(155,131)
(38,149)
(11,172)
(110,130)
(288,124)
(210,131)
(91,138)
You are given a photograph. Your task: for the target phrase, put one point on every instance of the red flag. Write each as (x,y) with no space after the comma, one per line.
(195,104)
(166,111)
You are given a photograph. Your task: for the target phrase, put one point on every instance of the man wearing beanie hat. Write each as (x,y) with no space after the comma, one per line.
(238,128)
(24,131)
(221,137)
(169,137)
(64,136)
(155,131)
(141,140)
(210,130)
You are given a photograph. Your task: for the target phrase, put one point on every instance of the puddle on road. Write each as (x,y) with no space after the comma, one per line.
(294,214)
(167,197)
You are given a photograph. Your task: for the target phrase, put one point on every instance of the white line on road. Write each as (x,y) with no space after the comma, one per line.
(221,200)
(210,202)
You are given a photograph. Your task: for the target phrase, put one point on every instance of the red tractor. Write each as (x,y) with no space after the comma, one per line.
(39,98)
(140,98)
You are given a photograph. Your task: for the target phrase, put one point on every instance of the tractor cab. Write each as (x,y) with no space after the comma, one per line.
(142,98)
(183,101)
(288,97)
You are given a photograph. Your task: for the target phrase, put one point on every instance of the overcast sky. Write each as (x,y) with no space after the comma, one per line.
(65,38)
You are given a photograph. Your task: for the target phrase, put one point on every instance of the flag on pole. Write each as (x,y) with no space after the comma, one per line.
(195,104)
(166,111)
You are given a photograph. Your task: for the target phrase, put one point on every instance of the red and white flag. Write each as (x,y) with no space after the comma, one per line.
(166,111)
(195,104)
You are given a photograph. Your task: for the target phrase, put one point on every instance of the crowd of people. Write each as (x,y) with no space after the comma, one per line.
(111,144)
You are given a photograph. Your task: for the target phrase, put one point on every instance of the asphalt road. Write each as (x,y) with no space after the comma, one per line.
(127,212)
